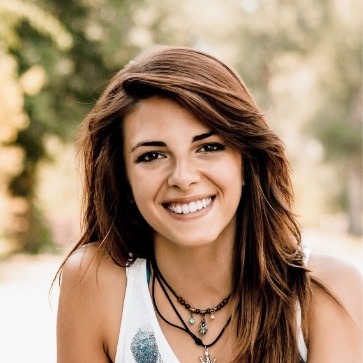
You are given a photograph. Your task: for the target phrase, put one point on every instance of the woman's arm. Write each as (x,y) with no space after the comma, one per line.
(335,335)
(90,307)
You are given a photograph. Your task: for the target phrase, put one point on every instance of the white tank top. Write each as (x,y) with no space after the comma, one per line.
(141,339)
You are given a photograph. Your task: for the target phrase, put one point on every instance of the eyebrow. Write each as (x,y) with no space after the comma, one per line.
(203,136)
(149,143)
(163,144)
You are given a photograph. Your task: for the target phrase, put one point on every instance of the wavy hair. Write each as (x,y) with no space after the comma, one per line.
(269,276)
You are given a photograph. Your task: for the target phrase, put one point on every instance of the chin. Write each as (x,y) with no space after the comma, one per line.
(195,241)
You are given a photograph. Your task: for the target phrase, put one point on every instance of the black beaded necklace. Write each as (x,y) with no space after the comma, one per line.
(197,340)
(202,329)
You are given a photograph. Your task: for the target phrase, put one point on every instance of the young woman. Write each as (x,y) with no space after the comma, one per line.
(190,250)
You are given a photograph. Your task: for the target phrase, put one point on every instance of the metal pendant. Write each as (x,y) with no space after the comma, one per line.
(207,358)
(202,329)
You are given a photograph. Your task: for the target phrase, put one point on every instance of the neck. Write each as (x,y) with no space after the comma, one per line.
(201,275)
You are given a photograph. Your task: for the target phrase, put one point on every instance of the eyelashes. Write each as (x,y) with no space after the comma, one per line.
(150,156)
(212,147)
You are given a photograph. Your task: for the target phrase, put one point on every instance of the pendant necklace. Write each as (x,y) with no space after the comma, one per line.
(202,328)
(207,358)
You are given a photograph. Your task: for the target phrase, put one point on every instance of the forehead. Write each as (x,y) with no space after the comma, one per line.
(160,117)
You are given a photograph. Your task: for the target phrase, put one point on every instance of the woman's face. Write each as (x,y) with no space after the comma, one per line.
(185,181)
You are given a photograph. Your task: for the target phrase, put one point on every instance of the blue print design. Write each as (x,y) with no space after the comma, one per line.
(144,347)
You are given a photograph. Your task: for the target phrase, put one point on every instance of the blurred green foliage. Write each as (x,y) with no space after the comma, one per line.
(303,60)
(59,43)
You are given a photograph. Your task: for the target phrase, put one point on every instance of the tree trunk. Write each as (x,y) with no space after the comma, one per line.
(355,202)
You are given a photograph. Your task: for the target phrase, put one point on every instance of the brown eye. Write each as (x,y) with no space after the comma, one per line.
(149,156)
(211,147)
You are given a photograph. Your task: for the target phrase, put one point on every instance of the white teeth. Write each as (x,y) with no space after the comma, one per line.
(191,207)
(185,208)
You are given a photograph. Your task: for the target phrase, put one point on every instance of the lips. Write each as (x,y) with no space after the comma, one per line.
(191,207)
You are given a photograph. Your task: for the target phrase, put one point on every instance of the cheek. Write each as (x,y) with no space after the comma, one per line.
(144,191)
(139,188)
(234,180)
(233,172)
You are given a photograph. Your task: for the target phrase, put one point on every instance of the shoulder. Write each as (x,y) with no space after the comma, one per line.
(335,332)
(90,306)
(89,267)
(343,279)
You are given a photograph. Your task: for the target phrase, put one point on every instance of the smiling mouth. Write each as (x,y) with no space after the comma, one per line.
(187,208)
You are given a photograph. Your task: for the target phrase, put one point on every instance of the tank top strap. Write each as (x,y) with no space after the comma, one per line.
(303,350)
(300,336)
(306,251)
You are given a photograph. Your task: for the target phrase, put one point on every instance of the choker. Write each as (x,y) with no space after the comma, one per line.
(197,340)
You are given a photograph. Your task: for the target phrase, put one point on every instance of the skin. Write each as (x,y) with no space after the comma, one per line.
(193,250)
(336,335)
(181,172)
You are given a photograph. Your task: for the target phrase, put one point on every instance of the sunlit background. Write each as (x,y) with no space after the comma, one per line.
(302,61)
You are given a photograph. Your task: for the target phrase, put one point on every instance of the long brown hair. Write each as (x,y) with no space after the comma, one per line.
(269,275)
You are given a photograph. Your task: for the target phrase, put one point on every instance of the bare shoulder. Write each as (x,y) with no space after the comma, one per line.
(343,279)
(90,306)
(330,268)
(335,333)
(88,267)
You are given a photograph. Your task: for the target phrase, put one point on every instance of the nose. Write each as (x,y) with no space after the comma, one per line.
(183,175)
